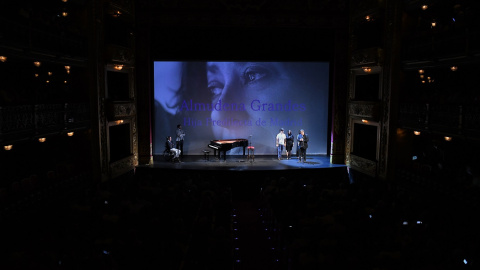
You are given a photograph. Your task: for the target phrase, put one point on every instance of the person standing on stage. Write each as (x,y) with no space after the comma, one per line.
(290,141)
(303,146)
(299,136)
(180,134)
(280,142)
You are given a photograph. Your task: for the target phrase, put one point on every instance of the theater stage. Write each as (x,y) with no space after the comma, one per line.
(240,163)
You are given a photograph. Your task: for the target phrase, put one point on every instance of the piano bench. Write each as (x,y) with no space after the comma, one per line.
(251,153)
(206,155)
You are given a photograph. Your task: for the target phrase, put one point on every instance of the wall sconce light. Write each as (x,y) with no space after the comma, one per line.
(64,13)
(118,67)
(364,121)
(424,7)
(47,81)
(3,59)
(49,73)
(65,82)
(42,139)
(8,147)
(118,122)
(67,67)
(434,24)
(422,76)
(70,134)
(37,64)
(453,68)
(64,1)
(423,81)
(117,13)
(421,71)
(36,75)
(447,138)
(367,69)
(368,18)
(416,132)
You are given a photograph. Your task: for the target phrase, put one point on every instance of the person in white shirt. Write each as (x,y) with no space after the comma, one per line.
(169,147)
(280,142)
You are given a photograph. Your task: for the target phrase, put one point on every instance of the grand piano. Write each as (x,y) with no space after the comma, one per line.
(225,145)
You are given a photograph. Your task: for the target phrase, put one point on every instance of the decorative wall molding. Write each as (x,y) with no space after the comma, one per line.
(364,165)
(120,110)
(364,109)
(371,56)
(119,54)
(126,6)
(122,166)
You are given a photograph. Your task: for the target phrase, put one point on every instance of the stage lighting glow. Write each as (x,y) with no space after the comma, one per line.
(416,132)
(70,134)
(42,139)
(447,138)
(8,147)
(424,7)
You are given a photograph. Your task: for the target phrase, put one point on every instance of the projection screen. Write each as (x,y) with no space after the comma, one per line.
(240,100)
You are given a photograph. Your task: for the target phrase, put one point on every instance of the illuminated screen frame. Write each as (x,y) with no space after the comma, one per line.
(222,100)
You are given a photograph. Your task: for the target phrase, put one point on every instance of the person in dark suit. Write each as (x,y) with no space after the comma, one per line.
(303,142)
(290,142)
(180,134)
(170,148)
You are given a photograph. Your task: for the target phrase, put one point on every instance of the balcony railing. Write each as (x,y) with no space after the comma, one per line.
(19,123)
(443,118)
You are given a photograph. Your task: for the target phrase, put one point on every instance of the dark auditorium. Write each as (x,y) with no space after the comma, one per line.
(240,134)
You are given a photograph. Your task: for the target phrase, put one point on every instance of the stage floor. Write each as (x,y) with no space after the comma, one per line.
(240,163)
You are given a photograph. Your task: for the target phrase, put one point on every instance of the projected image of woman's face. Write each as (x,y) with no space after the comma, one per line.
(241,100)
(244,93)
